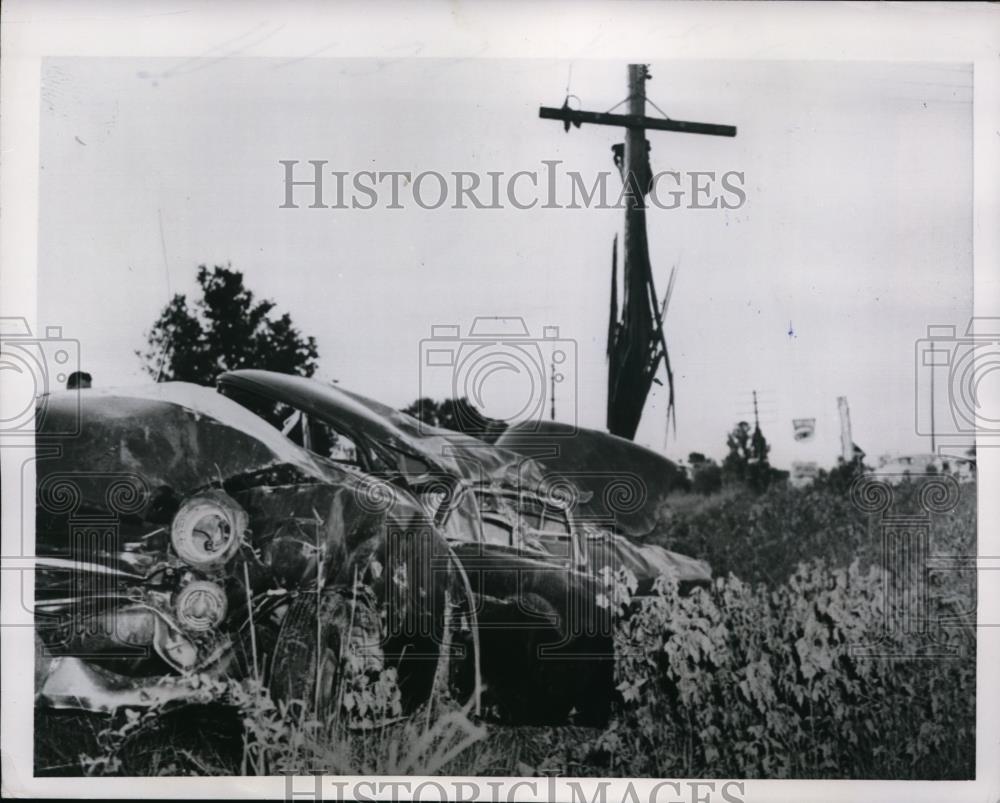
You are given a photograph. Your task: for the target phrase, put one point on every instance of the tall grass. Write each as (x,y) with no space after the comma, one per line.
(274,739)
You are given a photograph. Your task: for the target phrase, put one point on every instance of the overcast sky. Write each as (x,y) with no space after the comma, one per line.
(855,235)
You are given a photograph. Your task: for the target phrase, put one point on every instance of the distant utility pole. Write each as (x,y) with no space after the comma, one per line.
(846,440)
(756,418)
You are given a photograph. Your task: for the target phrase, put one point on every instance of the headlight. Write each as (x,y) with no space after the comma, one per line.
(201,605)
(207,529)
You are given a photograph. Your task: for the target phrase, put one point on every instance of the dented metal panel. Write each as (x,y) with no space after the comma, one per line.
(623,485)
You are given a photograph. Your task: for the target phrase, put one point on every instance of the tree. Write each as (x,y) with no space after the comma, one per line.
(747,459)
(227,328)
(459,415)
(738,443)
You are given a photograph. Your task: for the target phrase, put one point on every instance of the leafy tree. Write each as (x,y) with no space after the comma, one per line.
(227,328)
(738,443)
(747,459)
(459,415)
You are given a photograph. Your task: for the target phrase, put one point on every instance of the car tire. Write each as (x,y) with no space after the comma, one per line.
(306,669)
(524,686)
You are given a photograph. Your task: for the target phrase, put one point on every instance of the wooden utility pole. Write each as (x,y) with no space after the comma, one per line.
(636,343)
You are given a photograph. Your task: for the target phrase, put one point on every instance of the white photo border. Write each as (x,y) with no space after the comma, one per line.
(931,32)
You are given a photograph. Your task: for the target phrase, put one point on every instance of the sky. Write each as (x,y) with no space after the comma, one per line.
(856,233)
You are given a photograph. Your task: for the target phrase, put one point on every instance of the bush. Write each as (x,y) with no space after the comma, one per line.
(707,479)
(763,538)
(745,681)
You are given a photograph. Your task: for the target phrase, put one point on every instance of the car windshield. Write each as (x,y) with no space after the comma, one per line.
(316,435)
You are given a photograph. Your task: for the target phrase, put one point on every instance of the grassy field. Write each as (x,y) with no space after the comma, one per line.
(790,666)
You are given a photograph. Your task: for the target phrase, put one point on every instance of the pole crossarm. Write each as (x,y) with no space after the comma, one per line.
(577,117)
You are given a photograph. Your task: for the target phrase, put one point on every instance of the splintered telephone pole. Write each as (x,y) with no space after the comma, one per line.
(636,343)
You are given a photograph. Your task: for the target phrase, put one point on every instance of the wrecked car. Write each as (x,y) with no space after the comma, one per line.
(180,537)
(615,489)
(545,645)
(536,557)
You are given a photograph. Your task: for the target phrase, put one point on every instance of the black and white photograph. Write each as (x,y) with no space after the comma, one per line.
(402,394)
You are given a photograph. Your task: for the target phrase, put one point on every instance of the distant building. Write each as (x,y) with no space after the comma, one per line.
(804,472)
(897,467)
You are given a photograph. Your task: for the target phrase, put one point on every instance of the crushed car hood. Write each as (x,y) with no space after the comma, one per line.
(171,435)
(115,469)
(624,484)
(624,490)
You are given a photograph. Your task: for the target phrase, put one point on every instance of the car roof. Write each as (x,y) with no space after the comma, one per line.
(454,453)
